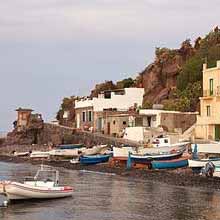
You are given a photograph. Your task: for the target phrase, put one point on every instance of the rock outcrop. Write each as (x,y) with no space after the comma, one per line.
(160,77)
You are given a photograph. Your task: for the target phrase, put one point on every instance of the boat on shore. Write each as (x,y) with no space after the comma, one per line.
(99,149)
(200,163)
(170,164)
(95,159)
(124,151)
(21,154)
(40,154)
(146,159)
(44,185)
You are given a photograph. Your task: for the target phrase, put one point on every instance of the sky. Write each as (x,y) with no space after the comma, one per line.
(50,49)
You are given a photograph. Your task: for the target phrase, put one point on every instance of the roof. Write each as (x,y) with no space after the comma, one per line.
(24,109)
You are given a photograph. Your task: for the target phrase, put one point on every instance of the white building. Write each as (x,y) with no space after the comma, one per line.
(122,99)
(89,111)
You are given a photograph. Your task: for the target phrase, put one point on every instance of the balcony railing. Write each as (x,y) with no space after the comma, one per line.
(215,92)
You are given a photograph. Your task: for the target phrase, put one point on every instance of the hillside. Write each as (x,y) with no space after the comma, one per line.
(174,78)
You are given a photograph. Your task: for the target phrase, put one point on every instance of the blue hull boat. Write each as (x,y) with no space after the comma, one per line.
(89,160)
(170,164)
(70,146)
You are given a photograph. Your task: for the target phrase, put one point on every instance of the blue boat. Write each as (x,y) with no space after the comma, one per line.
(70,146)
(170,164)
(89,160)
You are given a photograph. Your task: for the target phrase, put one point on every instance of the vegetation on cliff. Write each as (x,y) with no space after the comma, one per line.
(67,105)
(174,79)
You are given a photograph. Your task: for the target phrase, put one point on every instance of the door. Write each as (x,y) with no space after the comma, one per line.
(217,132)
(108,128)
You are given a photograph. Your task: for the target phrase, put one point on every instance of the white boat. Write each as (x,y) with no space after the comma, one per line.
(200,163)
(67,153)
(38,187)
(99,149)
(40,154)
(21,154)
(124,151)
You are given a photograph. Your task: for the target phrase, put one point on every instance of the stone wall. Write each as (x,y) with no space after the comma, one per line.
(91,139)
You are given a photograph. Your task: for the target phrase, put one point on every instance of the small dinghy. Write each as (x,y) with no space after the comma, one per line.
(40,154)
(89,160)
(38,187)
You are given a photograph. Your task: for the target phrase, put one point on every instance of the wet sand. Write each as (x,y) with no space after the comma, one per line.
(177,177)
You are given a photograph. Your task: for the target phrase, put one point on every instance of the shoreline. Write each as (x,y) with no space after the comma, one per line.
(179,177)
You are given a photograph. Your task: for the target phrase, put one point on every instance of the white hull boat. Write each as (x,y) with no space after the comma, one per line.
(201,163)
(18,191)
(100,149)
(40,154)
(124,151)
(37,187)
(67,153)
(21,154)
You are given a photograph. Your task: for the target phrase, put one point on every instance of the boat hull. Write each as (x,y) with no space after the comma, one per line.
(201,163)
(18,191)
(89,160)
(148,158)
(170,164)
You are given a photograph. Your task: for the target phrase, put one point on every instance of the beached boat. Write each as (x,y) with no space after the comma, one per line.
(21,154)
(124,151)
(200,163)
(40,154)
(69,146)
(38,187)
(89,160)
(66,153)
(170,164)
(145,159)
(99,149)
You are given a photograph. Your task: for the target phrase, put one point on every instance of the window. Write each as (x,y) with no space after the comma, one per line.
(114,122)
(211,86)
(83,116)
(90,116)
(124,122)
(208,109)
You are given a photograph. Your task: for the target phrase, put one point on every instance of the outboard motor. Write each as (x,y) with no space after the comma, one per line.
(209,169)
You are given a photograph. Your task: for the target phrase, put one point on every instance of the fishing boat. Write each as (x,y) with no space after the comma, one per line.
(21,154)
(40,154)
(169,164)
(99,149)
(44,185)
(95,159)
(66,153)
(200,163)
(124,151)
(69,146)
(145,159)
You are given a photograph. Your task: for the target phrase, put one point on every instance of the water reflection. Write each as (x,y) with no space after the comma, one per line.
(103,197)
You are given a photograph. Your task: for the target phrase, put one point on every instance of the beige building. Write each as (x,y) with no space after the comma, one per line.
(208,122)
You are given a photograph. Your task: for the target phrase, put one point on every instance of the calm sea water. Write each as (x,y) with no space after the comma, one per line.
(102,197)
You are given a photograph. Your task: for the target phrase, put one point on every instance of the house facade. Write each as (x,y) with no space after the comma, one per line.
(170,121)
(84,114)
(208,122)
(96,114)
